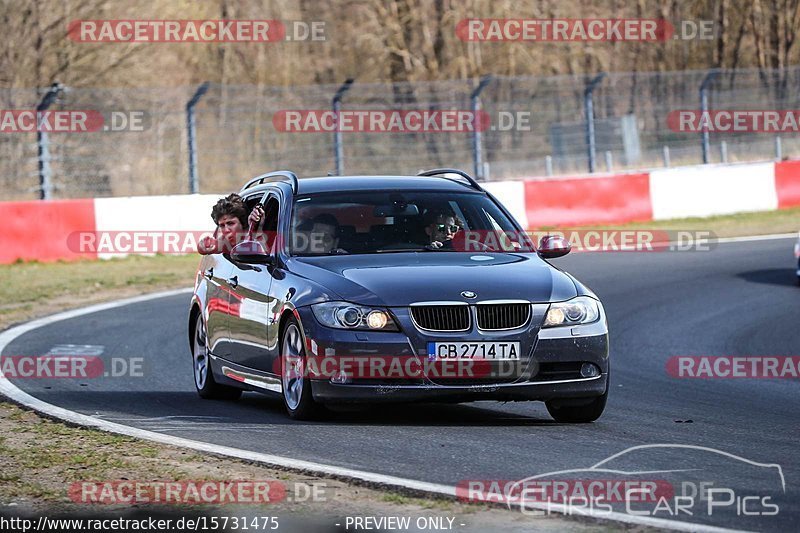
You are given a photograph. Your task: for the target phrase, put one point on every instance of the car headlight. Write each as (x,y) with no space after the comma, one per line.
(580,310)
(345,315)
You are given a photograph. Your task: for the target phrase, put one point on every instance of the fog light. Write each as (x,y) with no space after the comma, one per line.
(340,378)
(589,370)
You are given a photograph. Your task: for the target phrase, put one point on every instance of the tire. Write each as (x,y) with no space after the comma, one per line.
(295,385)
(579,410)
(204,383)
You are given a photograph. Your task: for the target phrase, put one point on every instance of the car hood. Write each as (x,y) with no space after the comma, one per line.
(399,279)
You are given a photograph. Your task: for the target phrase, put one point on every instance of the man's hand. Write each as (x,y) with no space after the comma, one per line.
(207,245)
(256,215)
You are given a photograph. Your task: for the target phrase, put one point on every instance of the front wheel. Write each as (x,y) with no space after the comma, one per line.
(296,386)
(207,388)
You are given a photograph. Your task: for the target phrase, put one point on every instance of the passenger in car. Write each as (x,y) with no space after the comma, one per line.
(441,227)
(324,234)
(300,235)
(230,216)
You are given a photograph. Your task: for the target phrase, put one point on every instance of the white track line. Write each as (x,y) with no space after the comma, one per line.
(19,396)
(750,238)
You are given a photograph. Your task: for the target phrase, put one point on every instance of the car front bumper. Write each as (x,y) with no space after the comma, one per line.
(550,367)
(327,392)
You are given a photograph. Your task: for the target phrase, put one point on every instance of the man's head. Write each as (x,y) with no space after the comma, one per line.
(230,216)
(324,234)
(441,226)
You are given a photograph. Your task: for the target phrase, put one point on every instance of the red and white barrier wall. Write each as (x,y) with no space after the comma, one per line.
(41,231)
(712,190)
(179,213)
(49,230)
(694,191)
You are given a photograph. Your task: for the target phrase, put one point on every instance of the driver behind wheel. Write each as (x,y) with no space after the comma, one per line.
(324,234)
(441,227)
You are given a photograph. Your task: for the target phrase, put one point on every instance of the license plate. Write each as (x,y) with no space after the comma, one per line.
(492,351)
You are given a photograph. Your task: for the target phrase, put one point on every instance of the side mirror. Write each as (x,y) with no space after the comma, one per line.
(552,246)
(251,252)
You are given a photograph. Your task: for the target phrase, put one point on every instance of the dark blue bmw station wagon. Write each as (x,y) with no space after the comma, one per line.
(395,288)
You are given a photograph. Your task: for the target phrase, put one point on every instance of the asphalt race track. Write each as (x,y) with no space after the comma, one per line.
(738,299)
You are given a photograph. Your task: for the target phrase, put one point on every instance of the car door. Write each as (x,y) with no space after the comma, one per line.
(250,286)
(217,270)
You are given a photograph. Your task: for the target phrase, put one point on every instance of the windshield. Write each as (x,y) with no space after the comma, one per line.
(368,222)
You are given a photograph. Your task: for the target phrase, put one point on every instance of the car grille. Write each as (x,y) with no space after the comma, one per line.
(503,316)
(441,317)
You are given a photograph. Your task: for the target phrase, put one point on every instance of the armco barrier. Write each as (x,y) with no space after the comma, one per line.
(610,199)
(190,212)
(707,190)
(512,195)
(40,230)
(787,183)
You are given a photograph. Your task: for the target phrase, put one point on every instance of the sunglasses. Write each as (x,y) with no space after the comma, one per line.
(444,227)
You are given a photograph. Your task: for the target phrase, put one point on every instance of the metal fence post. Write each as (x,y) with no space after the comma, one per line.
(338,150)
(665,153)
(43,144)
(778,149)
(704,110)
(194,181)
(588,105)
(477,138)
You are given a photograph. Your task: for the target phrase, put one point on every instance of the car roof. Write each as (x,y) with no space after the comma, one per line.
(439,180)
(382,183)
